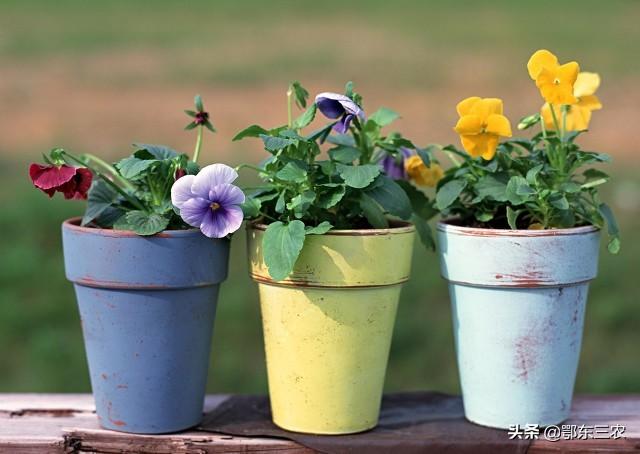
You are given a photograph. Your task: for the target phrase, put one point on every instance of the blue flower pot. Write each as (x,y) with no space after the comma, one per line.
(147,306)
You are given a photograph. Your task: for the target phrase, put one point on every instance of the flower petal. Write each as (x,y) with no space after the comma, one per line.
(590,102)
(220,223)
(326,102)
(226,195)
(211,176)
(50,177)
(469,124)
(194,210)
(464,106)
(539,60)
(568,73)
(586,84)
(181,190)
(342,126)
(480,145)
(486,107)
(499,125)
(490,147)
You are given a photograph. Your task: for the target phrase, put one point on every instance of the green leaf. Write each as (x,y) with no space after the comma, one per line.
(612,228)
(292,172)
(391,197)
(198,102)
(594,177)
(301,203)
(425,156)
(373,212)
(160,152)
(319,229)
(532,174)
(344,154)
(282,244)
(512,217)
(424,231)
(342,139)
(251,207)
(131,167)
(448,193)
(483,216)
(145,224)
(358,176)
(306,118)
(559,201)
(274,144)
(322,133)
(518,190)
(331,197)
(383,116)
(251,131)
(300,93)
(280,203)
(421,204)
(121,223)
(101,196)
(493,187)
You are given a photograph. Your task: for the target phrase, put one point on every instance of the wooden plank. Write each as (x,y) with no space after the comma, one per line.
(62,423)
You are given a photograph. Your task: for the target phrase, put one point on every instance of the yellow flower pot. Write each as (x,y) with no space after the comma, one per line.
(328,326)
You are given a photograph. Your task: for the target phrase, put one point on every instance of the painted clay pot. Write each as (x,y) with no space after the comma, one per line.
(518,299)
(328,326)
(147,306)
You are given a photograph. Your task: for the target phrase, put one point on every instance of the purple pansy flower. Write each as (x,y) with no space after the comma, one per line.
(393,166)
(333,105)
(209,201)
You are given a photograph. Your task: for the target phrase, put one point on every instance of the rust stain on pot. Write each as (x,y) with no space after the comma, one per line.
(526,279)
(525,348)
(115,422)
(104,376)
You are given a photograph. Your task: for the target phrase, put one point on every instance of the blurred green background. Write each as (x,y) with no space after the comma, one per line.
(97,76)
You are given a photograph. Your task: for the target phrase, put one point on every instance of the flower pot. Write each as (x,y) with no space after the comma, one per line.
(147,306)
(518,300)
(328,326)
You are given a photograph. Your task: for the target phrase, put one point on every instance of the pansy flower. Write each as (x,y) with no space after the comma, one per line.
(579,114)
(334,105)
(421,174)
(393,165)
(554,80)
(209,201)
(481,125)
(73,182)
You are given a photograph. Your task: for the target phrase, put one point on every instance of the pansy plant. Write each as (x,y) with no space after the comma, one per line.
(348,174)
(136,192)
(544,182)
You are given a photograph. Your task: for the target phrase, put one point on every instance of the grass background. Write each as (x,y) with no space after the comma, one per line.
(97,76)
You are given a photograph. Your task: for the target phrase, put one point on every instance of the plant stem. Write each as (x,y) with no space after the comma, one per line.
(109,182)
(111,170)
(249,166)
(196,151)
(555,121)
(289,116)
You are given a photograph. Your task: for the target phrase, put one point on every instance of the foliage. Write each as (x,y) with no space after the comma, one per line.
(306,191)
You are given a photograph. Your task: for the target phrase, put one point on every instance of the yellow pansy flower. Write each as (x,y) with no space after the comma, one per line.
(554,80)
(420,174)
(481,125)
(579,114)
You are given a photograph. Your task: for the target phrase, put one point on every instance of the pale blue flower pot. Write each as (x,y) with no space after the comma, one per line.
(518,299)
(147,306)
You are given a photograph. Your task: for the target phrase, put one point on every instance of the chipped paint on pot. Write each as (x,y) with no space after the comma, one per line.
(518,300)
(147,307)
(328,326)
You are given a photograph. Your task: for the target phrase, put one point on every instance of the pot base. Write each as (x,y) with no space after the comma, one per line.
(307,430)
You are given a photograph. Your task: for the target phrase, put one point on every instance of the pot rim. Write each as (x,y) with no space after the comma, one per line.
(74,224)
(448,226)
(402,227)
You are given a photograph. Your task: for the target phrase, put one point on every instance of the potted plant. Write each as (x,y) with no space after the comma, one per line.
(146,281)
(519,245)
(330,245)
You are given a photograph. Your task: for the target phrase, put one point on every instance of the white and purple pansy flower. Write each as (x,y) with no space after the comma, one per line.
(334,105)
(209,201)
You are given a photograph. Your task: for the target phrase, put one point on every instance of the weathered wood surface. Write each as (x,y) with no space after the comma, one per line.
(57,423)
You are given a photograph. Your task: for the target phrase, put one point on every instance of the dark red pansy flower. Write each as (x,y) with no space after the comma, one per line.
(201,117)
(179,174)
(73,182)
